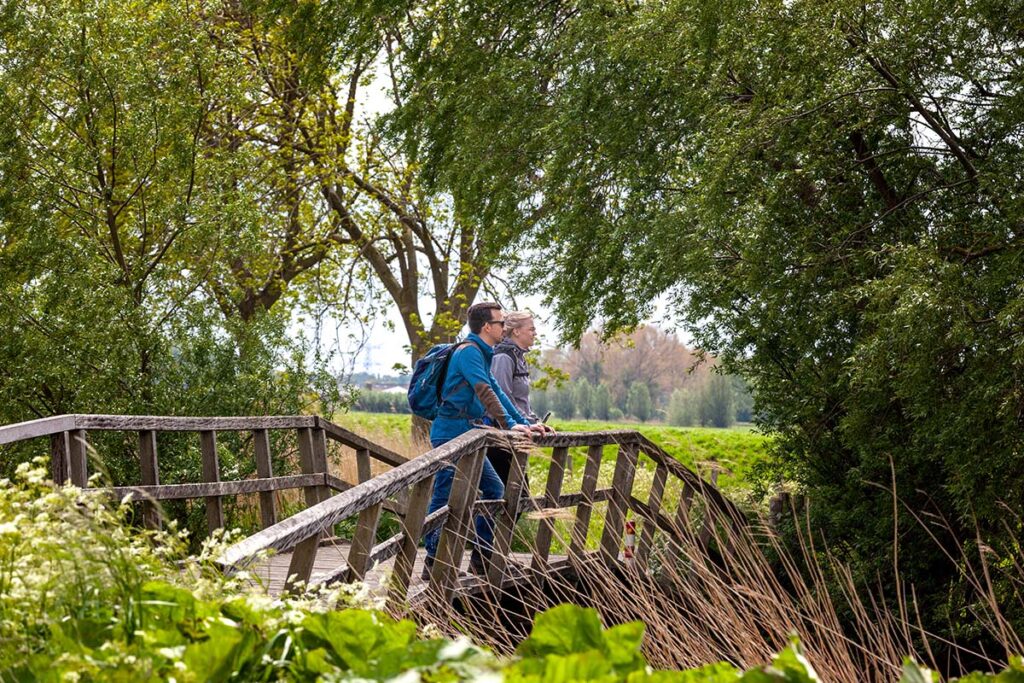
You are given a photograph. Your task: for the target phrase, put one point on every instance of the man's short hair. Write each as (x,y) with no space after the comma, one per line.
(481,313)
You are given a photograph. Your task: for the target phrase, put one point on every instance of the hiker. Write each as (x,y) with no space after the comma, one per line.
(469,393)
(512,373)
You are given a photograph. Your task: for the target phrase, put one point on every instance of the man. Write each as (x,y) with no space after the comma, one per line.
(468,394)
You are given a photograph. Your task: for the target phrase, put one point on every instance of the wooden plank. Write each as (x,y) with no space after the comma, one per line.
(211,473)
(150,471)
(412,529)
(585,508)
(506,523)
(33,429)
(59,465)
(265,470)
(313,460)
(552,490)
(78,457)
(643,549)
(209,489)
(568,439)
(455,533)
(622,483)
(730,510)
(362,542)
(711,515)
(299,526)
(300,568)
(339,485)
(364,472)
(353,440)
(159,423)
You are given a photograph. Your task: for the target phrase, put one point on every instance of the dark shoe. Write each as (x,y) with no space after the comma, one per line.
(428,562)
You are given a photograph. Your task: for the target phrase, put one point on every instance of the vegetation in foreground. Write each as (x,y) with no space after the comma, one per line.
(85,597)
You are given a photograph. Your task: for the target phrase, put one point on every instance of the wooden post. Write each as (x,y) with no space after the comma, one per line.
(264,470)
(363,464)
(78,457)
(211,473)
(643,549)
(313,460)
(454,534)
(362,542)
(506,523)
(412,529)
(710,516)
(581,528)
(622,489)
(553,489)
(150,470)
(59,465)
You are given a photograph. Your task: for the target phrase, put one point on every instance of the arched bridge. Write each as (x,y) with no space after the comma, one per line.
(577,526)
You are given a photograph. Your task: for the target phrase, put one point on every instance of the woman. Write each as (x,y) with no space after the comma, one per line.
(512,374)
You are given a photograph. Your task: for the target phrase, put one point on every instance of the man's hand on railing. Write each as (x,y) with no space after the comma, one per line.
(523,429)
(541,428)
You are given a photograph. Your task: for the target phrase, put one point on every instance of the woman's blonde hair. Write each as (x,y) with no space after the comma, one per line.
(514,320)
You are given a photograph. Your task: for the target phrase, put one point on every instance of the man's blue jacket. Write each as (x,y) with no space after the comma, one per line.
(460,407)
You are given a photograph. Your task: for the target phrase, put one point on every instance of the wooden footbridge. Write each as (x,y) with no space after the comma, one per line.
(679,511)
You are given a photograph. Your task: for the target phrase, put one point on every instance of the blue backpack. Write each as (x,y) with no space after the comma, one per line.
(428,380)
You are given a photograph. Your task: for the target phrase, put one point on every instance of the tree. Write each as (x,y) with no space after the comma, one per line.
(563,402)
(716,407)
(640,402)
(682,408)
(584,394)
(602,402)
(828,195)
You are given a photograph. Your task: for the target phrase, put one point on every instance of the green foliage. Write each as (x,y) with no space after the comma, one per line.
(682,408)
(639,402)
(381,402)
(584,399)
(83,597)
(828,195)
(602,401)
(716,402)
(563,402)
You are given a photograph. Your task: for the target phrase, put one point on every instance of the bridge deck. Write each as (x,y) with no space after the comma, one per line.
(273,572)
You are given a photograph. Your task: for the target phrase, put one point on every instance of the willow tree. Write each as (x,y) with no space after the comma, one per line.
(829,194)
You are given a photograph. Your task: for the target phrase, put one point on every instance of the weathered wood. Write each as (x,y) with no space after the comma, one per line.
(506,523)
(455,532)
(711,515)
(363,469)
(552,491)
(288,532)
(33,429)
(210,489)
(731,512)
(643,548)
(313,460)
(362,542)
(78,457)
(211,473)
(585,508)
(159,423)
(336,484)
(59,465)
(622,484)
(353,440)
(265,470)
(568,439)
(412,529)
(150,471)
(655,518)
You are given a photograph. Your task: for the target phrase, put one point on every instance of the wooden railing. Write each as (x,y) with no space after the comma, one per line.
(301,532)
(405,489)
(69,447)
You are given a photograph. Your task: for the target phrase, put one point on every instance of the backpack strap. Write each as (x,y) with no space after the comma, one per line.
(444,377)
(507,351)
